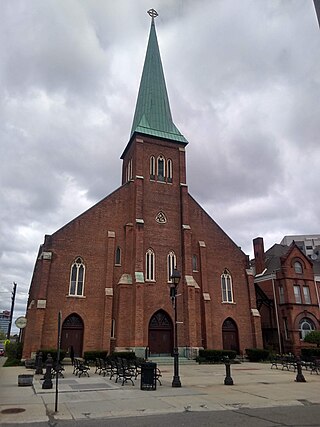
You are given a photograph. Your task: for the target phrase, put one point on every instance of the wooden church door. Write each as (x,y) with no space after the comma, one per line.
(72,334)
(160,334)
(230,335)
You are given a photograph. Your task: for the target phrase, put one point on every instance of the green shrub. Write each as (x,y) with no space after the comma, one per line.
(91,356)
(313,337)
(307,354)
(53,353)
(129,355)
(14,350)
(257,354)
(215,356)
(13,362)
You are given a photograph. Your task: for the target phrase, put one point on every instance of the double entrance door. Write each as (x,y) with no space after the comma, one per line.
(160,334)
(72,334)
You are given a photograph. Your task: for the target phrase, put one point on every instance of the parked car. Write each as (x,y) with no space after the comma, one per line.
(1,351)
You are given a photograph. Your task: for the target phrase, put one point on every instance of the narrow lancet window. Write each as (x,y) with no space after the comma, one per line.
(77,278)
(171,264)
(150,265)
(226,287)
(152,168)
(161,168)
(169,170)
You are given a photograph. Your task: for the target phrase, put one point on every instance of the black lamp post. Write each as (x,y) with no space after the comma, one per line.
(175,279)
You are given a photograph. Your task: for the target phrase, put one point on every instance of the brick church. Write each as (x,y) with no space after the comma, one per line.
(109,270)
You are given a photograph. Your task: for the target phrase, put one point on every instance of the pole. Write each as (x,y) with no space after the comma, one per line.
(12,308)
(58,359)
(176,379)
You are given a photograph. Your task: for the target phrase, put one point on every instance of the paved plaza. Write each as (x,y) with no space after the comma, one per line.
(256,385)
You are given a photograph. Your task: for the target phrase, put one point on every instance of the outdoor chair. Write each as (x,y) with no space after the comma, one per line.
(125,371)
(80,368)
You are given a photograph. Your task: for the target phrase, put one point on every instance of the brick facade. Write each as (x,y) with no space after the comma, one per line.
(281,310)
(127,219)
(94,269)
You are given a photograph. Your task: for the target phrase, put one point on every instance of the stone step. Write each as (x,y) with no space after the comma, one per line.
(163,360)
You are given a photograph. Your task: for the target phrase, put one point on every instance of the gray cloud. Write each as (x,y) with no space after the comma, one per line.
(244,87)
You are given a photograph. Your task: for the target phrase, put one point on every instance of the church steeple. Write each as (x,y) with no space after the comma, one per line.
(152,115)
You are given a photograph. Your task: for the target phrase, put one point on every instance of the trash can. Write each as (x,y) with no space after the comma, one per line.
(148,376)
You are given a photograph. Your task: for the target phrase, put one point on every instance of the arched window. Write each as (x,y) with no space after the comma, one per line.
(129,170)
(194,263)
(118,256)
(150,265)
(113,328)
(169,170)
(298,267)
(161,168)
(77,278)
(171,264)
(226,287)
(152,168)
(305,326)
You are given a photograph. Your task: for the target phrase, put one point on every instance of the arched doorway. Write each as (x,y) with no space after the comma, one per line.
(160,334)
(72,334)
(230,337)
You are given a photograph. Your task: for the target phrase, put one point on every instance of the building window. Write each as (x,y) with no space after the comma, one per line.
(150,265)
(118,256)
(297,294)
(194,263)
(113,328)
(285,328)
(161,168)
(306,295)
(298,267)
(169,170)
(77,278)
(305,326)
(152,168)
(171,264)
(281,294)
(129,170)
(226,287)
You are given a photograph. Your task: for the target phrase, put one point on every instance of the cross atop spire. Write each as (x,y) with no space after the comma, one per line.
(153,13)
(152,115)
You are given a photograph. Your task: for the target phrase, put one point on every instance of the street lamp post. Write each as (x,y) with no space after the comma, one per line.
(175,279)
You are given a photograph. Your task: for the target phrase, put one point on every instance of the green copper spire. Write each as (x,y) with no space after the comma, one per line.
(153,115)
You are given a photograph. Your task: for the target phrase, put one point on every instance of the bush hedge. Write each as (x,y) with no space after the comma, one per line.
(12,362)
(215,356)
(308,354)
(257,354)
(53,353)
(129,355)
(13,350)
(13,353)
(91,356)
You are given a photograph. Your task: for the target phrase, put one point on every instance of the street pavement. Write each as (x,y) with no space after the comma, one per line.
(256,385)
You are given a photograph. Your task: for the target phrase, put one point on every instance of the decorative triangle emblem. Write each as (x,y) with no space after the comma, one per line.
(161,218)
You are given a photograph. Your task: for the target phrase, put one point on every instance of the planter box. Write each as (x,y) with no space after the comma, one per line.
(25,380)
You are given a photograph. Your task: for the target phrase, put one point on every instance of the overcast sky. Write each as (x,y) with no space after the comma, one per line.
(244,85)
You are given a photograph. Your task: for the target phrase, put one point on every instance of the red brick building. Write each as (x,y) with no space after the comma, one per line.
(108,270)
(287,284)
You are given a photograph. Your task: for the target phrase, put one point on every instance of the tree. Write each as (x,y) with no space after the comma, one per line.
(313,337)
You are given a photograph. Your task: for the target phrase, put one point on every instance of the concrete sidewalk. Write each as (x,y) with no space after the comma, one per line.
(255,385)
